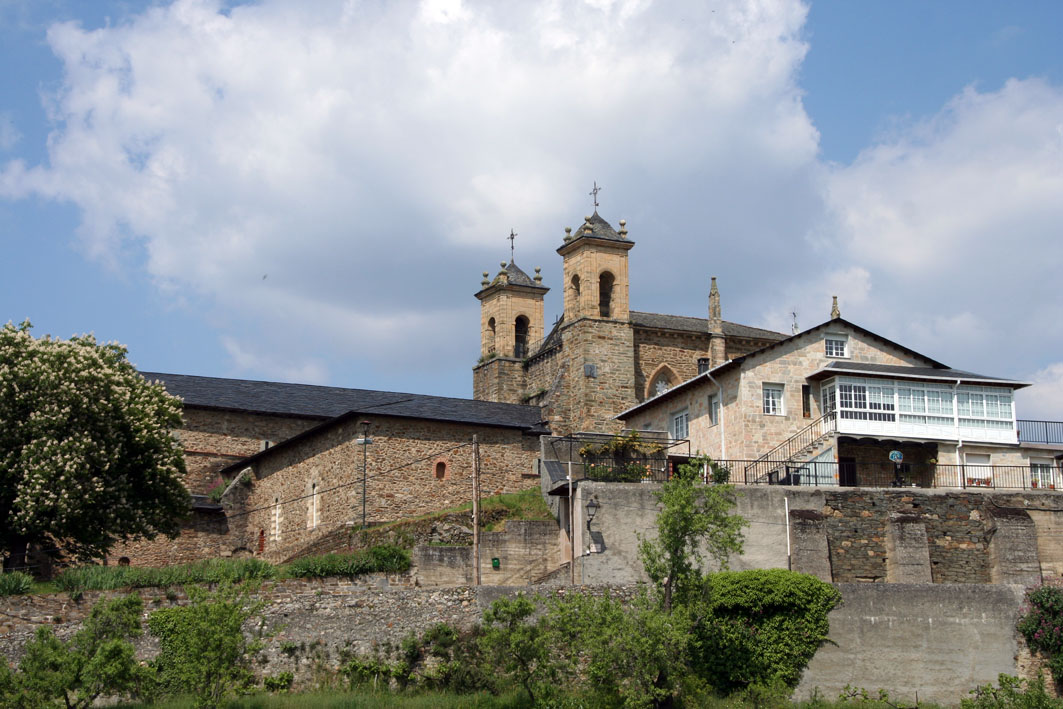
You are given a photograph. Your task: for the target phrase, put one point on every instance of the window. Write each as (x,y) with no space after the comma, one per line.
(806,401)
(660,385)
(828,398)
(441,470)
(311,516)
(276,532)
(836,345)
(680,424)
(773,402)
(490,336)
(714,409)
(520,333)
(1042,473)
(984,407)
(605,294)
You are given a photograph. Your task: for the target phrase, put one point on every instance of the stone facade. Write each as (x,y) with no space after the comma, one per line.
(304,489)
(600,358)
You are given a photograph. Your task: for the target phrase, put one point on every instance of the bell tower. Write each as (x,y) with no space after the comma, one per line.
(595,271)
(511,321)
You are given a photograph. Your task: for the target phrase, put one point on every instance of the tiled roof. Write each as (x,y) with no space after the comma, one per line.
(600,229)
(517,277)
(323,402)
(903,372)
(688,324)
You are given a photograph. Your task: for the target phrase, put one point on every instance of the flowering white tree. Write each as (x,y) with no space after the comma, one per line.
(87,453)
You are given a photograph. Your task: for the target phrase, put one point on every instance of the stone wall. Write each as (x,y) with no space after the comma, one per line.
(525,550)
(939,641)
(678,350)
(849,535)
(413,467)
(215,439)
(204,536)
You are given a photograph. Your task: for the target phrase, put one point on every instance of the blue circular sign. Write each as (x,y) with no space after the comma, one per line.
(897,456)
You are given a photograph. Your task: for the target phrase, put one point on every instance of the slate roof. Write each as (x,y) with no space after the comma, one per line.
(600,229)
(324,402)
(684,323)
(891,370)
(517,277)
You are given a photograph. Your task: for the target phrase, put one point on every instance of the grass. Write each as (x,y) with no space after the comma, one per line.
(361,700)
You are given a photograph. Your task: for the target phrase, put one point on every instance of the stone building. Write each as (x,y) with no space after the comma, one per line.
(600,357)
(838,405)
(275,468)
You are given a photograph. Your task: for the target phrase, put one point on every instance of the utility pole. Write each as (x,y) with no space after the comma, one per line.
(365,441)
(572,512)
(476,508)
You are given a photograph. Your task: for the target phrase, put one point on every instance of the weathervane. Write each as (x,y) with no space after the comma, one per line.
(594,193)
(511,237)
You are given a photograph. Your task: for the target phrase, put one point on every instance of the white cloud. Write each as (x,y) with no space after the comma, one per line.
(244,360)
(957,219)
(1042,400)
(369,159)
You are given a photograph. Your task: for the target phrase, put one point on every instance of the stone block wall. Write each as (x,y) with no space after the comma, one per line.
(678,350)
(499,379)
(213,439)
(526,550)
(413,467)
(204,536)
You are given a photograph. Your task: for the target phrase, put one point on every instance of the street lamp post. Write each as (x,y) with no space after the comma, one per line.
(365,440)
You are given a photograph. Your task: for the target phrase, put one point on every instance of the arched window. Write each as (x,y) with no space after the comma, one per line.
(575,288)
(520,339)
(441,470)
(660,385)
(605,294)
(490,336)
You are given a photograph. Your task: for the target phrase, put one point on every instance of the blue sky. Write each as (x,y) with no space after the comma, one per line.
(309,192)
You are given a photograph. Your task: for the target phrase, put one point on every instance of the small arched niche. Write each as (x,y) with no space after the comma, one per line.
(490,336)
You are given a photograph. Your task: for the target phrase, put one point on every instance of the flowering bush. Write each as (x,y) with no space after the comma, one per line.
(87,453)
(1042,626)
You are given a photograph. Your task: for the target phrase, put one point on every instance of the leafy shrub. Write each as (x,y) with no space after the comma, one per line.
(763,626)
(15,583)
(280,682)
(1042,626)
(387,558)
(203,649)
(97,660)
(1012,693)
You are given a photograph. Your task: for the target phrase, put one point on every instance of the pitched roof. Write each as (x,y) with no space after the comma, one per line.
(517,277)
(929,373)
(685,323)
(935,366)
(324,402)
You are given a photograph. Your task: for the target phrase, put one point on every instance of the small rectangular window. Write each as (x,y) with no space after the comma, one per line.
(714,409)
(836,345)
(681,424)
(806,401)
(773,401)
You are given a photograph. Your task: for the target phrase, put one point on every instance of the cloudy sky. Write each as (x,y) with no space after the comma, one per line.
(310,191)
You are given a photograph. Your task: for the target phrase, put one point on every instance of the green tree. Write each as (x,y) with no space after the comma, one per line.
(99,659)
(693,516)
(203,648)
(87,457)
(515,643)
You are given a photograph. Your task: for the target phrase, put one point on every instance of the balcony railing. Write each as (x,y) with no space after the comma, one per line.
(1040,431)
(832,474)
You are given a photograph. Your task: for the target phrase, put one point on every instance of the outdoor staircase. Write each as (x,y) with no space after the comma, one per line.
(802,446)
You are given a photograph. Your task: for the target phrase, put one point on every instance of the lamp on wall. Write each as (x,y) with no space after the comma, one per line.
(592,509)
(364,442)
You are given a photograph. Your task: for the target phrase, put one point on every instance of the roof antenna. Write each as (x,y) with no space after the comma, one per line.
(594,193)
(511,237)
(794,329)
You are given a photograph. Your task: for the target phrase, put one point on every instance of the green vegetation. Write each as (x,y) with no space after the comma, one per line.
(384,558)
(15,583)
(98,660)
(203,649)
(87,457)
(1042,626)
(1012,693)
(108,578)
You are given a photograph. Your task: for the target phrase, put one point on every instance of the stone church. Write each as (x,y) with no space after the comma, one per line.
(600,357)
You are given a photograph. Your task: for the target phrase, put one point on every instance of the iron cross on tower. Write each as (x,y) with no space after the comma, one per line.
(594,193)
(511,237)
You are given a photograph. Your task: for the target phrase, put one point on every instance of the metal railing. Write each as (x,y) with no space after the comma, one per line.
(1040,431)
(780,455)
